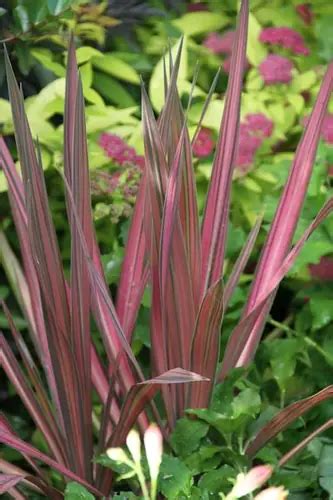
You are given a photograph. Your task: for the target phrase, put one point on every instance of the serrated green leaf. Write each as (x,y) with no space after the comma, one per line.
(321,307)
(175,478)
(187,436)
(75,491)
(247,402)
(217,480)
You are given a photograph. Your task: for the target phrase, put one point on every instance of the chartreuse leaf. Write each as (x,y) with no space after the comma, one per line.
(75,491)
(85,54)
(195,23)
(304,81)
(175,478)
(45,57)
(114,66)
(256,51)
(156,92)
(111,89)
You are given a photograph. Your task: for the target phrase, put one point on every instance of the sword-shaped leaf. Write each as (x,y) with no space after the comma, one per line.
(216,214)
(288,211)
(285,417)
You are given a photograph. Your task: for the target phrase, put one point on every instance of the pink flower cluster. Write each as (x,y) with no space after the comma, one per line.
(204,143)
(305,13)
(285,37)
(197,7)
(222,44)
(276,69)
(323,270)
(124,181)
(326,128)
(252,132)
(120,152)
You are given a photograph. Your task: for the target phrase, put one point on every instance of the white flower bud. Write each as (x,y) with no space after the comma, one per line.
(117,454)
(273,493)
(153,440)
(134,445)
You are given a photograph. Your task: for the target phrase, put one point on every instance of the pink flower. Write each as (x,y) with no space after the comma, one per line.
(247,147)
(276,69)
(204,143)
(259,124)
(305,13)
(120,152)
(326,128)
(227,63)
(247,483)
(323,270)
(220,44)
(285,37)
(196,7)
(252,131)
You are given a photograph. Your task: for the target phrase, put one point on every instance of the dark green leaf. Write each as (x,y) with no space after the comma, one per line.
(75,491)
(217,480)
(175,478)
(187,436)
(57,6)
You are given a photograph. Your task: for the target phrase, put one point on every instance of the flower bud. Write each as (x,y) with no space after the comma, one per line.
(153,440)
(273,493)
(134,445)
(117,454)
(256,477)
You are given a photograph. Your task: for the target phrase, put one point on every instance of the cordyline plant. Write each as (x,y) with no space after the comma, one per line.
(168,250)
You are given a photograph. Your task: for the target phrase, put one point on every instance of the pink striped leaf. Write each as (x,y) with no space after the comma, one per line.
(285,417)
(215,220)
(16,443)
(288,211)
(205,347)
(142,393)
(239,336)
